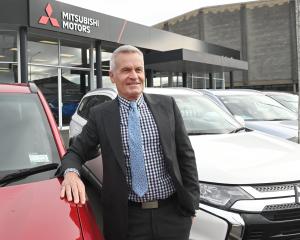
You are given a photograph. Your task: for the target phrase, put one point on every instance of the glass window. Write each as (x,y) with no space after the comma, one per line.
(288,100)
(43,52)
(74,54)
(105,57)
(202,116)
(257,108)
(75,83)
(8,72)
(46,78)
(8,46)
(87,103)
(73,57)
(26,139)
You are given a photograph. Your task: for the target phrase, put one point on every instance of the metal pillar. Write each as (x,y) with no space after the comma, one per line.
(210,79)
(23,54)
(297,14)
(149,77)
(231,79)
(82,73)
(184,79)
(244,41)
(99,81)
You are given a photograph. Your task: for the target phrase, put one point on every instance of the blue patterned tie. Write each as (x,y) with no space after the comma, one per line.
(137,163)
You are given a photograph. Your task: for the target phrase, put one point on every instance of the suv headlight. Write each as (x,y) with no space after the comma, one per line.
(221,195)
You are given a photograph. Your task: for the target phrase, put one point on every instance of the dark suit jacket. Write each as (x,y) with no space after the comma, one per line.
(103,127)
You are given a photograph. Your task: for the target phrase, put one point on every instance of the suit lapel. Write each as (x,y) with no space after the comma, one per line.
(113,130)
(162,120)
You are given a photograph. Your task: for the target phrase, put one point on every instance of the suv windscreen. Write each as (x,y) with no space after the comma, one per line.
(288,100)
(202,116)
(26,139)
(257,108)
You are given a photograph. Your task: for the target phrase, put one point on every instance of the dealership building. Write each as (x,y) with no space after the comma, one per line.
(65,50)
(266,32)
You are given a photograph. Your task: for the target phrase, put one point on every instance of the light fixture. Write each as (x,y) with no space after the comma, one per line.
(2,56)
(40,60)
(49,42)
(66,55)
(13,49)
(4,68)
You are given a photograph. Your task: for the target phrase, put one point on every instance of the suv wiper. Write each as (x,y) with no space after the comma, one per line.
(280,119)
(200,133)
(23,173)
(238,130)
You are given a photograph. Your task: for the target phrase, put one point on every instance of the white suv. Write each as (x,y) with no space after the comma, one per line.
(248,180)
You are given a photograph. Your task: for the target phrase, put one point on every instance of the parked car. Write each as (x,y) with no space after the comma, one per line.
(31,150)
(259,112)
(248,180)
(68,108)
(288,100)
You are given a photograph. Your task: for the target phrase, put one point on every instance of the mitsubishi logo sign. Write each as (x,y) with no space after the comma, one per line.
(60,17)
(45,19)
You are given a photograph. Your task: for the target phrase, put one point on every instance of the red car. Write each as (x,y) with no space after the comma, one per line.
(30,152)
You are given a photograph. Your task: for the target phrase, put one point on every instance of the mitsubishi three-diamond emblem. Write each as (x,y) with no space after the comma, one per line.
(45,19)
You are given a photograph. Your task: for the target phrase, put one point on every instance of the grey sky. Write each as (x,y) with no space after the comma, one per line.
(147,12)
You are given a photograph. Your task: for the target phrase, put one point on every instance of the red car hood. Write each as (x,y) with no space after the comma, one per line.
(35,211)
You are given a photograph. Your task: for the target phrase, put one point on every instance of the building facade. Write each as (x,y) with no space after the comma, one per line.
(263,31)
(65,50)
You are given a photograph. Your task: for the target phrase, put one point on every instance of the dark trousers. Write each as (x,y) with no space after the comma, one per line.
(163,223)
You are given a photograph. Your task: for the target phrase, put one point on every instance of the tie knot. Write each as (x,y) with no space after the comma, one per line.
(133,105)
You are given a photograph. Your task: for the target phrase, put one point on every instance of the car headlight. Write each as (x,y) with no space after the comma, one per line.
(221,195)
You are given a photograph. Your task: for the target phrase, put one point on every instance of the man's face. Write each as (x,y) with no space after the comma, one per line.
(128,75)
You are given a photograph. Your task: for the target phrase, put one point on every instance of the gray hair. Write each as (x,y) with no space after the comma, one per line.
(123,49)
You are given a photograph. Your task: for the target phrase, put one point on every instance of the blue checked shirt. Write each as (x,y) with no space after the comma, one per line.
(160,185)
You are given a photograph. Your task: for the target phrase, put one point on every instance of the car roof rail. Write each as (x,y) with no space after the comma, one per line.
(32,86)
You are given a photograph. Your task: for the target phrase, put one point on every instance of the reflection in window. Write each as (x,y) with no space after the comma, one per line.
(43,52)
(260,108)
(74,57)
(8,72)
(156,82)
(202,116)
(105,57)
(8,46)
(8,55)
(47,81)
(74,85)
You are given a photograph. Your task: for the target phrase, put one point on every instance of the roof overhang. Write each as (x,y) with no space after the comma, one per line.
(183,60)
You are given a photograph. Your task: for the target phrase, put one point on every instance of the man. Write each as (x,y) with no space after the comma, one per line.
(150,183)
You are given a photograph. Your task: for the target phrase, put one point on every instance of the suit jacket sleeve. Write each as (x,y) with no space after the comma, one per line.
(186,158)
(83,146)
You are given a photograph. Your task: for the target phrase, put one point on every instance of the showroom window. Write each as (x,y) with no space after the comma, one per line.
(61,69)
(105,57)
(8,56)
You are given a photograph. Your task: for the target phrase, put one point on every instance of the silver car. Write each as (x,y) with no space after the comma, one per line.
(259,111)
(288,100)
(248,180)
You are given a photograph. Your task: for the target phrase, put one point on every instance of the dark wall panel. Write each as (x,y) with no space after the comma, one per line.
(269,52)
(223,28)
(14,12)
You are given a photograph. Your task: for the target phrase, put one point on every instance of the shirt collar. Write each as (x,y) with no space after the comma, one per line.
(126,103)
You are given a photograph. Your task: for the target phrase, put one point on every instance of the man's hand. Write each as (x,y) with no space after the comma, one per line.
(73,188)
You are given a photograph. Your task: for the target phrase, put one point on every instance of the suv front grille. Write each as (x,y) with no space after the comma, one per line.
(280,232)
(280,207)
(275,188)
(284,215)
(257,227)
